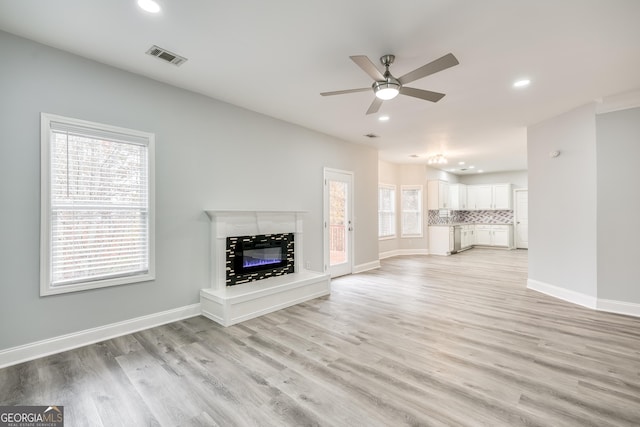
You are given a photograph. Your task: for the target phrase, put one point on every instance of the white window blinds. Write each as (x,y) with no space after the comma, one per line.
(99,226)
(411,203)
(386,211)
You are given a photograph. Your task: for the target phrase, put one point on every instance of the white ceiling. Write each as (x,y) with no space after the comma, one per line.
(276,56)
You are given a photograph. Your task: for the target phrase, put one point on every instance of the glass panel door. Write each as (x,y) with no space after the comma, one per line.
(338,222)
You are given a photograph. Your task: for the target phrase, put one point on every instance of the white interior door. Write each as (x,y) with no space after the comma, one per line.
(338,222)
(522,218)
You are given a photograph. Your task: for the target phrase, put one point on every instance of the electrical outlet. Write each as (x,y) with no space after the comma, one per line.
(307,265)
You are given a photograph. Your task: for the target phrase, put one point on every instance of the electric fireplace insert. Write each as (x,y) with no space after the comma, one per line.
(251,258)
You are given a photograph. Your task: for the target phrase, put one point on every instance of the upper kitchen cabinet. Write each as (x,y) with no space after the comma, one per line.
(502,197)
(489,197)
(479,197)
(438,195)
(458,197)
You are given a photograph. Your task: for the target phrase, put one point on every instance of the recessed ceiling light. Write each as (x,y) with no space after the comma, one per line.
(480,171)
(471,167)
(461,163)
(522,83)
(149,6)
(383,118)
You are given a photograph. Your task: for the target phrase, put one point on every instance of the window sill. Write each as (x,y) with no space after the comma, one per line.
(46,289)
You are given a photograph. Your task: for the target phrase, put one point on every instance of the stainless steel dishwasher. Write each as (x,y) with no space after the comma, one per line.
(457,239)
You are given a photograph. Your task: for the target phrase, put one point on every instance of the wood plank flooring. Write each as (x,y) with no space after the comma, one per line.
(422,341)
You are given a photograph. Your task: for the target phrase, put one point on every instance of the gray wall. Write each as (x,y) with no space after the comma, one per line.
(618,148)
(209,155)
(562,201)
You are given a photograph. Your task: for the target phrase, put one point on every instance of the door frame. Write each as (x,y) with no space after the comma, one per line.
(350,214)
(515,216)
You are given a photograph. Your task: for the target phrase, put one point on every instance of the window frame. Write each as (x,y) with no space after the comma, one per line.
(419,211)
(393,212)
(46,287)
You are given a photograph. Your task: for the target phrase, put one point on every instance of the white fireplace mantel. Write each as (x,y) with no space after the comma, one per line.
(247,223)
(228,305)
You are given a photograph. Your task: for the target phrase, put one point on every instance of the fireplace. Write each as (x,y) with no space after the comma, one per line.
(251,258)
(257,265)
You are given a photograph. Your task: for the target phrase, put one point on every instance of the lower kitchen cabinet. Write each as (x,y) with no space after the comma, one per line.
(467,236)
(441,239)
(494,235)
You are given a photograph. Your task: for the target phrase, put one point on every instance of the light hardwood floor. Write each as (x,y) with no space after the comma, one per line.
(424,340)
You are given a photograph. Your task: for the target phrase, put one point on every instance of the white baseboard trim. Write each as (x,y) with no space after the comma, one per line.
(24,353)
(563,294)
(360,268)
(619,307)
(610,306)
(388,254)
(399,252)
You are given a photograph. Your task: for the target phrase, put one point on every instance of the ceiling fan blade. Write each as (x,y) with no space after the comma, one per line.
(341,92)
(427,95)
(368,67)
(439,64)
(375,105)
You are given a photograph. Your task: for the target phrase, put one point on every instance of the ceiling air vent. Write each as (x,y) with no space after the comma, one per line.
(371,135)
(167,56)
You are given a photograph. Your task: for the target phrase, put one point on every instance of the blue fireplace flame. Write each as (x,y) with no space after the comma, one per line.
(261,257)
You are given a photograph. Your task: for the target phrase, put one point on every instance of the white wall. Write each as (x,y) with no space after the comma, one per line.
(519,179)
(209,155)
(562,202)
(618,149)
(433,174)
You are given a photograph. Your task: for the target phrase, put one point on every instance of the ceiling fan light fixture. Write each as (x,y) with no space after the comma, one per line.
(386,90)
(522,83)
(149,5)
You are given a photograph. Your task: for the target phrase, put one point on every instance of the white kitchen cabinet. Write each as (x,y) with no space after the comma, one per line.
(458,197)
(494,235)
(483,235)
(441,239)
(467,236)
(489,197)
(479,197)
(502,197)
(501,235)
(438,195)
(472,196)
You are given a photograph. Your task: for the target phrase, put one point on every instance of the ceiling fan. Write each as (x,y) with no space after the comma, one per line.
(386,87)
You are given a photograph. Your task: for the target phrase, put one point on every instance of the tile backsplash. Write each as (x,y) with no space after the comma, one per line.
(436,219)
(471,217)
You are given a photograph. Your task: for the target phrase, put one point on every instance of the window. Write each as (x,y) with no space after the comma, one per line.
(97,217)
(411,205)
(386,211)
